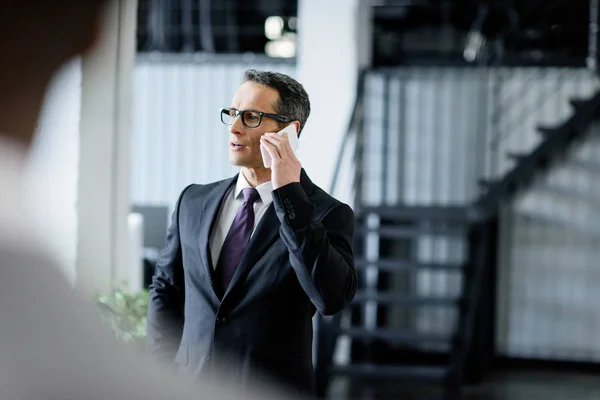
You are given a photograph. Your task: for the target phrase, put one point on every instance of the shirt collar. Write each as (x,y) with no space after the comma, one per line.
(264,190)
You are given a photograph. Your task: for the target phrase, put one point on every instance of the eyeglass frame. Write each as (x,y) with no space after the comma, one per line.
(276,117)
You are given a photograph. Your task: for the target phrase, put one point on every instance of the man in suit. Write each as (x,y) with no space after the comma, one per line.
(248,260)
(52,343)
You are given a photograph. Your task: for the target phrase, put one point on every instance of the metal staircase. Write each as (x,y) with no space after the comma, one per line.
(385,240)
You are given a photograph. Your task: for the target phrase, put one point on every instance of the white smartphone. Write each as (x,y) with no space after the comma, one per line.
(292,137)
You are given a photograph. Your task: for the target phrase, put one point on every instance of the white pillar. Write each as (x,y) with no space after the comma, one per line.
(334,43)
(103,188)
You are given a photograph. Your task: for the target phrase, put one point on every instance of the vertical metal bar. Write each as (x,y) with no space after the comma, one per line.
(498,83)
(592,60)
(394,160)
(187,26)
(402,141)
(207,38)
(465,357)
(385,149)
(482,120)
(385,127)
(439,279)
(232,26)
(359,120)
(357,125)
(156,25)
(486,336)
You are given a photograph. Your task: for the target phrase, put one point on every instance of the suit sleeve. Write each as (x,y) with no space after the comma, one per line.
(320,250)
(167,296)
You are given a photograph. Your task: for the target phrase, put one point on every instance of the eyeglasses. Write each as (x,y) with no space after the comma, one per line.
(250,118)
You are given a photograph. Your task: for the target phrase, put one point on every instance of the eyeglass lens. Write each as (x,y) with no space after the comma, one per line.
(251,119)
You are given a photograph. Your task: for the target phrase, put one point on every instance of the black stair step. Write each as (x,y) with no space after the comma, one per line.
(407,300)
(402,232)
(459,214)
(400,265)
(395,336)
(368,370)
(555,144)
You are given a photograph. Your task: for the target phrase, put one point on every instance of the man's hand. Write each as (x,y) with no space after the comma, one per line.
(285,167)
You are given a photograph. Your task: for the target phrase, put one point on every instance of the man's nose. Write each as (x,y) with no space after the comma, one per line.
(237,126)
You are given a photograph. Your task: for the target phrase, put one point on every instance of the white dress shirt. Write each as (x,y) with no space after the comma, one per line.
(233,201)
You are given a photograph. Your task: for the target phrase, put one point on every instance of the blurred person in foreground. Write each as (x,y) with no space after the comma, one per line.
(52,343)
(250,259)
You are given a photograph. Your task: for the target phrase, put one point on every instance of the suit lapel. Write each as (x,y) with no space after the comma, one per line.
(210,211)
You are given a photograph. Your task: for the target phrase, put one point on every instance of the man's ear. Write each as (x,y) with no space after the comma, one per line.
(298,127)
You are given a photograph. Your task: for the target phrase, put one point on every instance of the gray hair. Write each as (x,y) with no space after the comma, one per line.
(293,99)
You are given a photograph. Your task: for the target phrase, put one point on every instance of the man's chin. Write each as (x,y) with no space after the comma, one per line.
(244,163)
(236,161)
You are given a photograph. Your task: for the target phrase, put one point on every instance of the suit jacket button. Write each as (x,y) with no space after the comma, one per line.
(208,358)
(221,320)
(292,215)
(287,201)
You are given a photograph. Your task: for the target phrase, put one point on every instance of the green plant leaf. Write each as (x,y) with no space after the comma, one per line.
(125,313)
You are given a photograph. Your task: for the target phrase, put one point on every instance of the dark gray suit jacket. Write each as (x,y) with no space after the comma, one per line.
(299,260)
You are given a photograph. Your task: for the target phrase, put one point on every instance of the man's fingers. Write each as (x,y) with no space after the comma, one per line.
(271,148)
(281,142)
(277,142)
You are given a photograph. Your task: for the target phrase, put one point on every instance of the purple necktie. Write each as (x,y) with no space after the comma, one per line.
(237,239)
